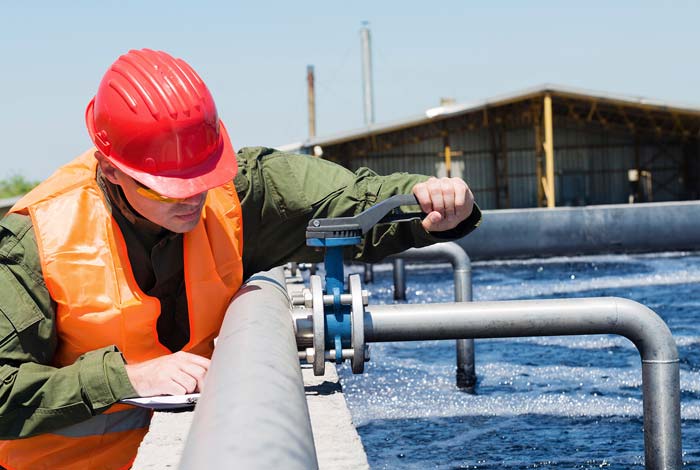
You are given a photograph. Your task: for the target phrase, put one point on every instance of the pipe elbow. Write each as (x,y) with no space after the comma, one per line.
(647,330)
(458,257)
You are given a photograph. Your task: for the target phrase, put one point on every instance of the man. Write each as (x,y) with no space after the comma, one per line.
(115,272)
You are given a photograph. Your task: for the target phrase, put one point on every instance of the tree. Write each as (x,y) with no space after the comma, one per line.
(15,185)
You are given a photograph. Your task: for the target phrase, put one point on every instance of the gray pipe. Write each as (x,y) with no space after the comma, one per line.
(602,315)
(369,273)
(253,412)
(620,228)
(399,278)
(462,267)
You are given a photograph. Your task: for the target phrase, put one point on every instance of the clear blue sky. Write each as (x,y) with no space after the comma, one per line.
(253,56)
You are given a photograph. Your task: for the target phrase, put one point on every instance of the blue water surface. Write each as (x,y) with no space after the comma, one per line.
(546,402)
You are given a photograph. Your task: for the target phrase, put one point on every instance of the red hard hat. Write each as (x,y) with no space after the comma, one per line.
(154,119)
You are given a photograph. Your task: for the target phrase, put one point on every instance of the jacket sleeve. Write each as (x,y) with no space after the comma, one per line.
(34,396)
(281,192)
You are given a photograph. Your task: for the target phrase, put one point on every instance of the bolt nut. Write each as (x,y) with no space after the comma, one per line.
(308,301)
(365,297)
(316,223)
(310,355)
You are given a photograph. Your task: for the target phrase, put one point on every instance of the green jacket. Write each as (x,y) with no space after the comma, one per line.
(279,194)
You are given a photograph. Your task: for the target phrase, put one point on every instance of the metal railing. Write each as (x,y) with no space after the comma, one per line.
(462,269)
(253,411)
(603,315)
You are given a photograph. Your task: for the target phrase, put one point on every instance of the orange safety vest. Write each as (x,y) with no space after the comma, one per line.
(87,272)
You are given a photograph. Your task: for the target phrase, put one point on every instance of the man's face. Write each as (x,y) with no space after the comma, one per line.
(179,217)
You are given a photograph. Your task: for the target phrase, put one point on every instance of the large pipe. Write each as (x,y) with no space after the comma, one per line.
(462,268)
(253,411)
(603,315)
(620,228)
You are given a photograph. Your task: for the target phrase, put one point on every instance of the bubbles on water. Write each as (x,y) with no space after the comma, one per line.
(541,402)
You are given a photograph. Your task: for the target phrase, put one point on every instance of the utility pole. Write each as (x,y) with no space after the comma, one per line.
(311,100)
(367,90)
(368,101)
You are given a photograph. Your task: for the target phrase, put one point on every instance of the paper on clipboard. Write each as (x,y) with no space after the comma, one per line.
(164,402)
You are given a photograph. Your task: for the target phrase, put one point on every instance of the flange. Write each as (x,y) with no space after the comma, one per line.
(319,322)
(357,324)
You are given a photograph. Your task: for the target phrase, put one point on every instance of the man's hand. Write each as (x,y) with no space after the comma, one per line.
(175,374)
(447,201)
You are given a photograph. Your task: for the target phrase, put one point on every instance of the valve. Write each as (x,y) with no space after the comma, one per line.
(337,315)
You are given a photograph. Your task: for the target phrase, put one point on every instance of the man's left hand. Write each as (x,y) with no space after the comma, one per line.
(447,201)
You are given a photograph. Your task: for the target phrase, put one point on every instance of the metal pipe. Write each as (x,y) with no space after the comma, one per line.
(367,91)
(619,228)
(602,315)
(369,273)
(399,278)
(253,408)
(462,267)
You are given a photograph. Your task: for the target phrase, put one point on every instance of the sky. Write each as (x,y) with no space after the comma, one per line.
(253,57)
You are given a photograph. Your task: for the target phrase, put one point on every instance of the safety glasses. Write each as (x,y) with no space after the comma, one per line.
(154,195)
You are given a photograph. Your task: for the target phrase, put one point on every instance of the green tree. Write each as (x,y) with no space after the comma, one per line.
(15,185)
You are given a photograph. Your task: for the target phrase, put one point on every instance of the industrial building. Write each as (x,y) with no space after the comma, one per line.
(548,146)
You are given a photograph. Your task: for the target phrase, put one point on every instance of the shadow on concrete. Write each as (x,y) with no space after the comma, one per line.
(324,388)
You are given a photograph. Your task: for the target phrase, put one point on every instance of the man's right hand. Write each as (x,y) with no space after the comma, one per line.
(175,374)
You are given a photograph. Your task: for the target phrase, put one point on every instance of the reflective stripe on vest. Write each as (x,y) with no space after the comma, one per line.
(88,273)
(125,420)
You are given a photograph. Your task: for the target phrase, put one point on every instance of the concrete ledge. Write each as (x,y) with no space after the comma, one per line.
(338,445)
(162,446)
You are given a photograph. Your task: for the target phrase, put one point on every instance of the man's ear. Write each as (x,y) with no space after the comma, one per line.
(107,168)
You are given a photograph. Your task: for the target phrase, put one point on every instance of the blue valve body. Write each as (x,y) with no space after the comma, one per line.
(338,330)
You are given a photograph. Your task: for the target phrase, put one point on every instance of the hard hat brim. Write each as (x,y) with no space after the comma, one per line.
(216,171)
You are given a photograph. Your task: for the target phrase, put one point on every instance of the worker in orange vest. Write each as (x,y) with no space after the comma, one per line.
(116,271)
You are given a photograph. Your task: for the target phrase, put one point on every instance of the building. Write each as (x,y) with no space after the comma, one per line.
(6,204)
(547,146)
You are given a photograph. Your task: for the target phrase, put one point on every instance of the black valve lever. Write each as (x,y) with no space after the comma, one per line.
(359,225)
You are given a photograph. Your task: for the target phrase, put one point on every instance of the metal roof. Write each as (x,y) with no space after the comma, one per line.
(6,204)
(501,100)
(9,202)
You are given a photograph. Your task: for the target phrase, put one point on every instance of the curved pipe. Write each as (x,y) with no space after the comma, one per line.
(450,251)
(462,267)
(602,315)
(253,411)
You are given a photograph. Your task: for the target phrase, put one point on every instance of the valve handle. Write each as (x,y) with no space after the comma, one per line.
(359,225)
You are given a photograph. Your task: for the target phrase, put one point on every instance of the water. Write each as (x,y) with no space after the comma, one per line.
(550,402)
